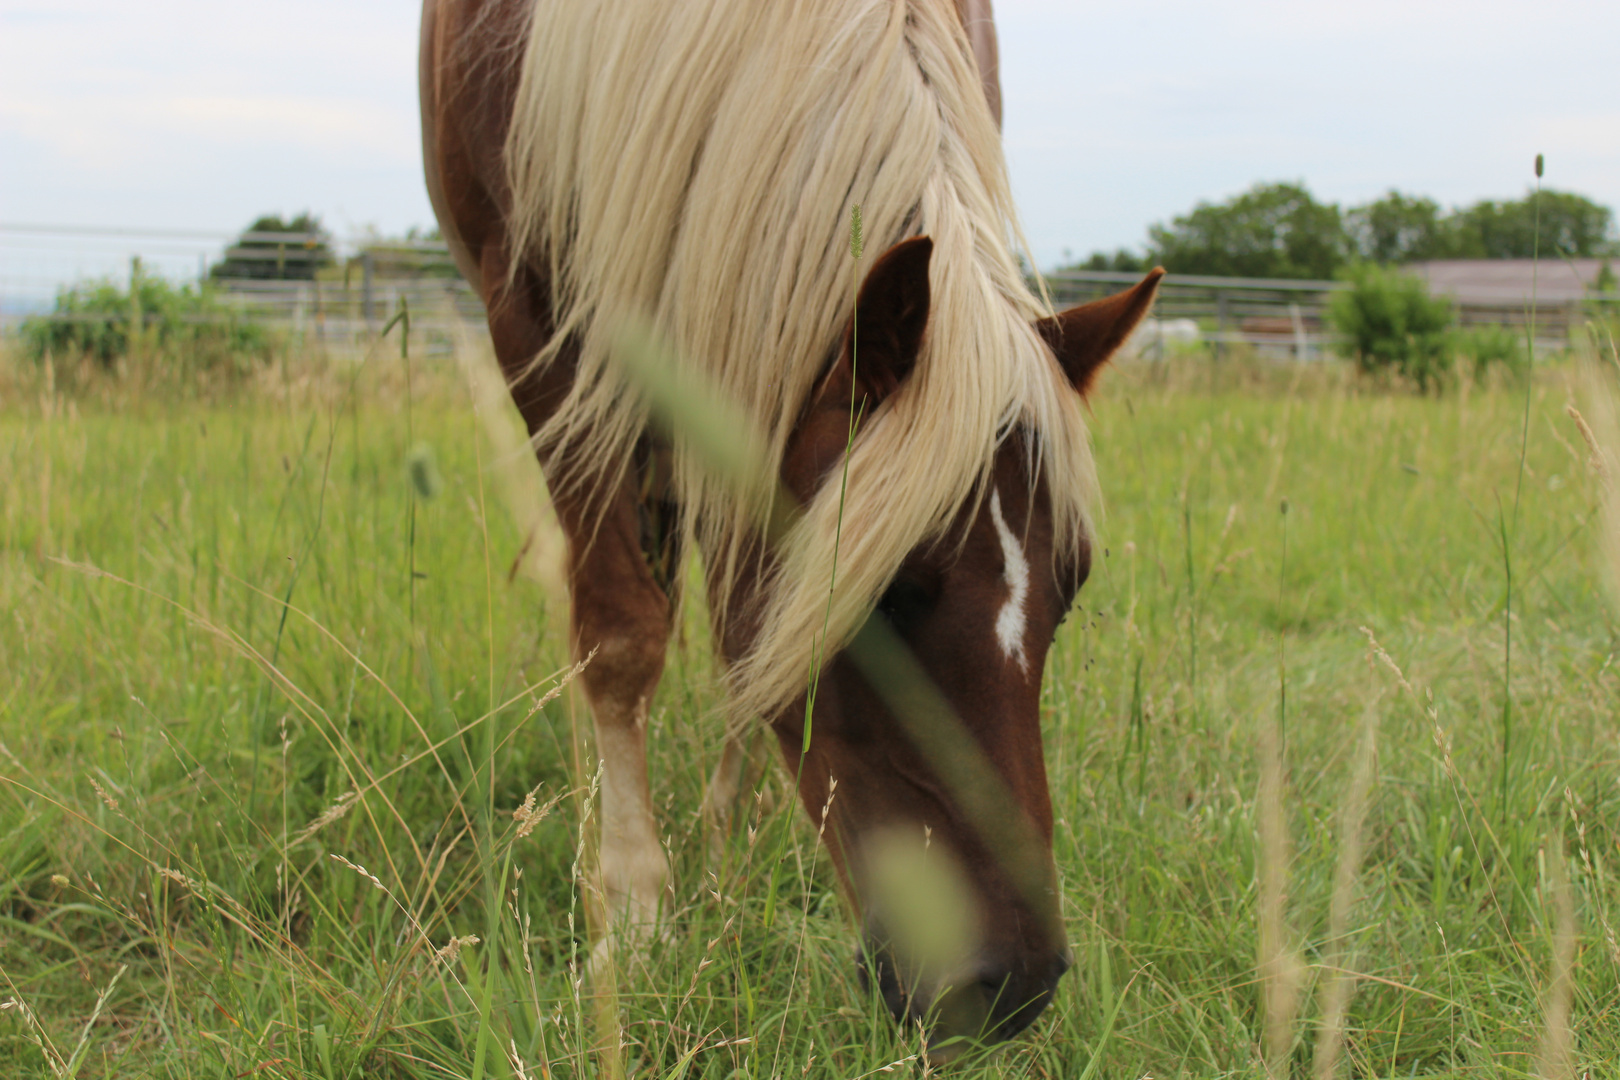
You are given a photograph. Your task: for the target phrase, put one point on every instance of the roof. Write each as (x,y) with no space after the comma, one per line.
(1510,282)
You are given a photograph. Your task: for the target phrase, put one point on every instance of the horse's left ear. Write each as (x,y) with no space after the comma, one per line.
(1085,336)
(891,315)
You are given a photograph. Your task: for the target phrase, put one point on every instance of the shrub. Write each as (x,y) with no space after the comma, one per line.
(1492,344)
(180,324)
(1390,323)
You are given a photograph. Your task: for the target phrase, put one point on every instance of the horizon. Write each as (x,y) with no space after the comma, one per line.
(194,117)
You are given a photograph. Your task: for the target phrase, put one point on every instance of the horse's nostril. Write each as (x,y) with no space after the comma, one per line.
(994,974)
(1014,995)
(995,1000)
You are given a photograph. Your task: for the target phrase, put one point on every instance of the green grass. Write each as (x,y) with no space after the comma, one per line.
(169,731)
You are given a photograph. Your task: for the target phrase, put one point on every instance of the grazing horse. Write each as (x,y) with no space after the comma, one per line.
(691,167)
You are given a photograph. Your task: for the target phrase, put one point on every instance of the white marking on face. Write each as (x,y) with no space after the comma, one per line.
(1010,619)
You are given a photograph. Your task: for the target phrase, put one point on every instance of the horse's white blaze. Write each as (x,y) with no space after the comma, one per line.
(1010,619)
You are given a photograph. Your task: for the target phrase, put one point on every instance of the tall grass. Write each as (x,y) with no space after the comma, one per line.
(259,821)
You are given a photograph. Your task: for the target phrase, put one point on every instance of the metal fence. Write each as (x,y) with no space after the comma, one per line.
(1289,318)
(1275,316)
(316,286)
(332,290)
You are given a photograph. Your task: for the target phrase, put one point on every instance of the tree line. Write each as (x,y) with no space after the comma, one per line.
(1279,230)
(301,248)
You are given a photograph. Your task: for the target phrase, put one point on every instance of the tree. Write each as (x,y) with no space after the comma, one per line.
(1122,260)
(1390,323)
(1399,229)
(1280,231)
(261,254)
(1570,226)
(1270,231)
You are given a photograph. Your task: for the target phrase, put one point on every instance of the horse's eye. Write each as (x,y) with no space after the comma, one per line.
(904,603)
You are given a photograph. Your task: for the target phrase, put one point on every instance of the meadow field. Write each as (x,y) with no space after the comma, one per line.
(1332,744)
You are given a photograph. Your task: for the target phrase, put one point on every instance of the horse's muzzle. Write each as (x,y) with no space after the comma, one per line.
(991,1000)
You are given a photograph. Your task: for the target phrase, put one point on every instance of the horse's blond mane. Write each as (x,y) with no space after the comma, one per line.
(694,164)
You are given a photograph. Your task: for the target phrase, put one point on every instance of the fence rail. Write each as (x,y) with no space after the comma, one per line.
(346,288)
(1288,317)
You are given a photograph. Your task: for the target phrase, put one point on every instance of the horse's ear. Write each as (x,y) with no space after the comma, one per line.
(1086,335)
(891,314)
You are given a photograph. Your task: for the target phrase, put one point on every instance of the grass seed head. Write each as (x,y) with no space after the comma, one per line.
(330,814)
(362,871)
(424,470)
(112,803)
(453,947)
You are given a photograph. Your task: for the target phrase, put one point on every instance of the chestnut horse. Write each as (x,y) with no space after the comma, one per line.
(692,166)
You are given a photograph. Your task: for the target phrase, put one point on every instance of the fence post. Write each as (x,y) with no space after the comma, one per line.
(1220,324)
(137,318)
(1301,351)
(367,269)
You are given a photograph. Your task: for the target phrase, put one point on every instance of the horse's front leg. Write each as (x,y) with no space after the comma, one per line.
(620,613)
(619,610)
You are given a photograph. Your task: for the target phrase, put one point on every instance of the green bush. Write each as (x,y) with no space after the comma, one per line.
(1492,344)
(180,324)
(261,253)
(1390,323)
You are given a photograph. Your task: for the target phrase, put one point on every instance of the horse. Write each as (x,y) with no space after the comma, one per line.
(691,167)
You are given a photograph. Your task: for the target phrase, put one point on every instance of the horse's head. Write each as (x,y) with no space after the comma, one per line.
(976,609)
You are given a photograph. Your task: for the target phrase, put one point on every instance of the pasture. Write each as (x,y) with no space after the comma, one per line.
(1280,848)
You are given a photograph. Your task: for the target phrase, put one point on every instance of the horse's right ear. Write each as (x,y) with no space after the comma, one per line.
(1085,336)
(885,335)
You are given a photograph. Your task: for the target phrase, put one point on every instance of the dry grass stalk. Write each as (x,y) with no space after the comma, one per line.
(1336,992)
(1279,966)
(889,1068)
(332,813)
(1609,937)
(1600,429)
(180,879)
(112,803)
(83,1045)
(1596,462)
(1425,701)
(1384,658)
(562,684)
(37,1034)
(362,871)
(529,815)
(1553,1056)
(453,947)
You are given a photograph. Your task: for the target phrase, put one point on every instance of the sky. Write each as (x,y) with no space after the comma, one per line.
(200,115)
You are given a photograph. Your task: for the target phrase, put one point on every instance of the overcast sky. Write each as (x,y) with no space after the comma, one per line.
(197,114)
